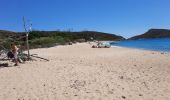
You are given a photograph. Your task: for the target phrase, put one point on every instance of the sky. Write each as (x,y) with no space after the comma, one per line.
(122,17)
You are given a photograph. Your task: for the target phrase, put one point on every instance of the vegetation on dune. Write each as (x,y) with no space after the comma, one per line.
(50,38)
(47,41)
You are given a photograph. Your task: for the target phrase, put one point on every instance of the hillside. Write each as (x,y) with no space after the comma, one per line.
(5,34)
(53,37)
(153,33)
(78,35)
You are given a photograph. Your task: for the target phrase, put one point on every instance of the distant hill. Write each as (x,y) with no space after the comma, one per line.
(153,33)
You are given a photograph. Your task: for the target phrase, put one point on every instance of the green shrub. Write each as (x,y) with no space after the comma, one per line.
(59,39)
(47,41)
(42,40)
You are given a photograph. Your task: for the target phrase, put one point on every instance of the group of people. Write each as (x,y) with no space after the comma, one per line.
(101,45)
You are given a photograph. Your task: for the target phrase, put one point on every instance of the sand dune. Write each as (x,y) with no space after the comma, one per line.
(79,72)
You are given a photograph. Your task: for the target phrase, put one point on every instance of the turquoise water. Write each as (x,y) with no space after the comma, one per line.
(147,44)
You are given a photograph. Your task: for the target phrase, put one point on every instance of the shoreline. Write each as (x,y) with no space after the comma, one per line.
(140,49)
(115,46)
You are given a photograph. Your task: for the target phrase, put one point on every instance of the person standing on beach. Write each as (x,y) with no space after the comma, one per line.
(14,50)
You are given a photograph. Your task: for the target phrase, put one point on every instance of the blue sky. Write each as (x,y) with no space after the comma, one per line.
(122,17)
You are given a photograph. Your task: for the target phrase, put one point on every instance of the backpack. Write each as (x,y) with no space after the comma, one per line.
(10,55)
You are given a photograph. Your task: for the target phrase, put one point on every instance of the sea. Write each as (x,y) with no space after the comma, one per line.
(159,44)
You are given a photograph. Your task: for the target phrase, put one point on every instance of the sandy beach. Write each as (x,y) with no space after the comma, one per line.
(79,72)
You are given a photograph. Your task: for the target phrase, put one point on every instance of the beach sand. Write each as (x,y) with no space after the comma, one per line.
(79,72)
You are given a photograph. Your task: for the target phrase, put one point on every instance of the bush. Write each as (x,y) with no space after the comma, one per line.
(42,40)
(59,39)
(6,45)
(47,41)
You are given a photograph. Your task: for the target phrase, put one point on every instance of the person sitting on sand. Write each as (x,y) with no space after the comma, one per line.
(14,50)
